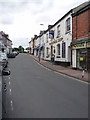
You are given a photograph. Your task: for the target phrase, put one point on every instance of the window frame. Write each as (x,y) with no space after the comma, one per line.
(58,49)
(63,49)
(58,31)
(47,38)
(68,25)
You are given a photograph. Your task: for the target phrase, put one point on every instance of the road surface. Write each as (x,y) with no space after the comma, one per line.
(36,92)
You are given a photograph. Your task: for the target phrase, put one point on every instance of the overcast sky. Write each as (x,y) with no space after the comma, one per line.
(21,19)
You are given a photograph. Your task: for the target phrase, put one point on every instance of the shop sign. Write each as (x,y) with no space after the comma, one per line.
(55,41)
(51,34)
(78,46)
(81,58)
(60,39)
(88,44)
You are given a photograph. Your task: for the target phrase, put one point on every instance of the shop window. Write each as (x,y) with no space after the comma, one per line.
(63,50)
(58,49)
(68,25)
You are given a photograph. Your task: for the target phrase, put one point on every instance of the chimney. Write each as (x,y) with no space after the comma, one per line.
(49,26)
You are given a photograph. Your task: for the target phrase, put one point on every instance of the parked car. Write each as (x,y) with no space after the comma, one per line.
(15,52)
(3,59)
(11,55)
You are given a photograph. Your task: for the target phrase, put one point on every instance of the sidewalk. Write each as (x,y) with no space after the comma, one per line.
(64,70)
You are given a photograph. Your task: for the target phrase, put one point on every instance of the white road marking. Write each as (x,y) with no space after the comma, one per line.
(11,102)
(11,105)
(77,79)
(43,66)
(9,78)
(71,77)
(9,83)
(10,91)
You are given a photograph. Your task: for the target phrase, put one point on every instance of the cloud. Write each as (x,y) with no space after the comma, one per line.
(21,19)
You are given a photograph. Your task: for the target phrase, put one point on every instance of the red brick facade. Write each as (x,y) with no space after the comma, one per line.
(81,24)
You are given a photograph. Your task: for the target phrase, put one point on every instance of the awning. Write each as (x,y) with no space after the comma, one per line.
(79,41)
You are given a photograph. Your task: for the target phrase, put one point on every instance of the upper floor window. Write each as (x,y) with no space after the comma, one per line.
(46,38)
(58,30)
(68,25)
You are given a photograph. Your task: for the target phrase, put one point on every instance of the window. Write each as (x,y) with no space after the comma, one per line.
(58,30)
(63,50)
(68,25)
(46,38)
(58,49)
(47,52)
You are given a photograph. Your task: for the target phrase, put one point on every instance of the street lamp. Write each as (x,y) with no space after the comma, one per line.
(42,27)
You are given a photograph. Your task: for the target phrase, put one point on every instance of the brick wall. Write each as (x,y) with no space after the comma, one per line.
(81,25)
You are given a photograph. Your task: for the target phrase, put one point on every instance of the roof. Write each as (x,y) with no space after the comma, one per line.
(84,6)
(58,21)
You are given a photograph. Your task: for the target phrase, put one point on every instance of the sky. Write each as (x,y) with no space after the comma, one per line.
(21,19)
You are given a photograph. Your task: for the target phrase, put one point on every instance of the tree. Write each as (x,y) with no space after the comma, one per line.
(15,49)
(21,49)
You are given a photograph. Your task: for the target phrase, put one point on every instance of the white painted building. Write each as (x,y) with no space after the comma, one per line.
(59,46)
(31,46)
(47,46)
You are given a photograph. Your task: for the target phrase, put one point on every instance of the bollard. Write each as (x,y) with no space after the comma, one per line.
(83,74)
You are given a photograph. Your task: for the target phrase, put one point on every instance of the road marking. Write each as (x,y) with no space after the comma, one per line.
(9,78)
(11,105)
(10,91)
(71,77)
(43,66)
(11,102)
(9,82)
(77,79)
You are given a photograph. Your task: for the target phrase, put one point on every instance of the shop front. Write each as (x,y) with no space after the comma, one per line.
(82,49)
(81,58)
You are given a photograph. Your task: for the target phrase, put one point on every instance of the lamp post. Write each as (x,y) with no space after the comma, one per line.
(86,52)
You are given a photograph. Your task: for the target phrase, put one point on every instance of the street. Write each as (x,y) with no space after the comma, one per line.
(36,92)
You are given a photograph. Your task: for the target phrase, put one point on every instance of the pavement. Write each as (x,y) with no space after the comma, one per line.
(64,70)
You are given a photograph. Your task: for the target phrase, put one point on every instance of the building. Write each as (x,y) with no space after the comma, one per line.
(60,45)
(47,45)
(31,46)
(58,38)
(34,45)
(81,36)
(6,42)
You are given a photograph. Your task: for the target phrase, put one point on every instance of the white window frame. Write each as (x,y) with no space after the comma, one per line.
(58,49)
(68,25)
(58,31)
(47,38)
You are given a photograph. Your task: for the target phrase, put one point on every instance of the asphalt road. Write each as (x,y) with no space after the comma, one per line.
(36,92)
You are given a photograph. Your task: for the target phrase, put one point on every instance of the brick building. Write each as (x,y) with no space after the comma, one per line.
(81,36)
